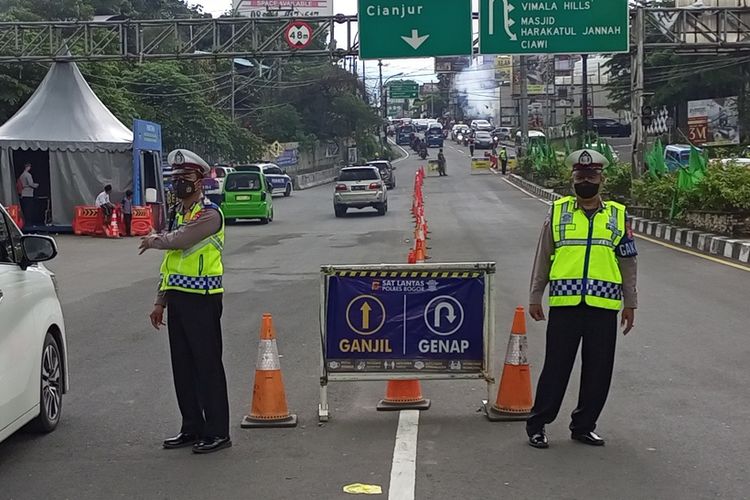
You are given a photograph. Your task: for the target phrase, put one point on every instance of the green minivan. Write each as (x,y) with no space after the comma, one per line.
(247,195)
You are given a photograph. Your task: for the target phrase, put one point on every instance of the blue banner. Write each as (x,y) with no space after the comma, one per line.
(405,322)
(288,158)
(146,135)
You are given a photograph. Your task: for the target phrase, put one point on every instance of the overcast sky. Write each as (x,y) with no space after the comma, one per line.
(419,69)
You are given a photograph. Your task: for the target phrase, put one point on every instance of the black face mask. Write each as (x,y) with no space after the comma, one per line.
(586,189)
(183,188)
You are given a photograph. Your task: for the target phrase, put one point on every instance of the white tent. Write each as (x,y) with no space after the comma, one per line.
(87,145)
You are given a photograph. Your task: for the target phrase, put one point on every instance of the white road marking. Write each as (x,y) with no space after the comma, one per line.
(404,468)
(530,194)
(406,153)
(456,149)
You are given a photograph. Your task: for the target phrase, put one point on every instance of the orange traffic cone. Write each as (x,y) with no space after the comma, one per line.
(269,407)
(113,230)
(514,395)
(403,395)
(412,258)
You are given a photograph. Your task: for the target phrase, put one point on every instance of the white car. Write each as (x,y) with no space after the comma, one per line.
(219,172)
(33,352)
(281,183)
(359,187)
(481,125)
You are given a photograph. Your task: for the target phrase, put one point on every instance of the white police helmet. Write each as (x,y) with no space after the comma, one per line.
(183,161)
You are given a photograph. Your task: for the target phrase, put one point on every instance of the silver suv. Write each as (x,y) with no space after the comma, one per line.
(359,187)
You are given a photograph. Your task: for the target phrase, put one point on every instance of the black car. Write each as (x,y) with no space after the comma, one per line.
(482,140)
(386,172)
(610,128)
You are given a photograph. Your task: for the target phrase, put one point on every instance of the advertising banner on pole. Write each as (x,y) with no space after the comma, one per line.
(714,122)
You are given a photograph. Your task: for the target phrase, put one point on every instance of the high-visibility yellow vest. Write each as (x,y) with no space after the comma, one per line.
(198,269)
(584,264)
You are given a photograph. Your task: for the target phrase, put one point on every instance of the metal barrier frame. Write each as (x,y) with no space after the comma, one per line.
(488,336)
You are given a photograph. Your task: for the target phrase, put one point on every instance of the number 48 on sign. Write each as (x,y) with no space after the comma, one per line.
(298,34)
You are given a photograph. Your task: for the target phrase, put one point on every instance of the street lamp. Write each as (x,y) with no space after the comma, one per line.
(384,96)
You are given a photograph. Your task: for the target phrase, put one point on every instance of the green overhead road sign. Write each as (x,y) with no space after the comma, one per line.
(403,91)
(391,29)
(553,26)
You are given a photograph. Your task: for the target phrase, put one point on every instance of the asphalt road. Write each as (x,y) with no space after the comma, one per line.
(675,424)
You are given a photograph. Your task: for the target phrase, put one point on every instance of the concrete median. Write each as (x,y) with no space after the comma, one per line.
(312,179)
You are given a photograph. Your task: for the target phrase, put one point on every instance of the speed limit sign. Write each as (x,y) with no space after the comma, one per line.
(298,34)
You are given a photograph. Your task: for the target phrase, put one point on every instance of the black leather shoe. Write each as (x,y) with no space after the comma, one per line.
(590,438)
(539,440)
(212,444)
(180,441)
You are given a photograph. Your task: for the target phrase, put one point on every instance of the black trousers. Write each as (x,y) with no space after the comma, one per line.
(565,329)
(128,219)
(29,209)
(194,323)
(504,164)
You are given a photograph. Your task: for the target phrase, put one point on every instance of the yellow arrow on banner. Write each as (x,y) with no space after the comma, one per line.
(366,309)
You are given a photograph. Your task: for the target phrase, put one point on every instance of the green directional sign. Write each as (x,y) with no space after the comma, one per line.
(553,26)
(403,91)
(391,29)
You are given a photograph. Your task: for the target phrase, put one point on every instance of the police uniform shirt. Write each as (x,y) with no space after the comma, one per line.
(206,223)
(626,258)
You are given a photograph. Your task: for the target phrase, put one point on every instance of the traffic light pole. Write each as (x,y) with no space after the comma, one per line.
(585,97)
(636,105)
(523,106)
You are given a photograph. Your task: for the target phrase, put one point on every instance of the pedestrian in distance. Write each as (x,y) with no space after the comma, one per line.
(441,163)
(471,145)
(191,291)
(104,204)
(25,187)
(504,160)
(127,212)
(587,255)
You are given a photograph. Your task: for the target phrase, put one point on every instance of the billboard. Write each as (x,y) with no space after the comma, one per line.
(714,122)
(283,8)
(540,75)
(451,64)
(504,69)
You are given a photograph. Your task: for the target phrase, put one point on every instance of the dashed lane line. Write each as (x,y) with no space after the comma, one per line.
(404,467)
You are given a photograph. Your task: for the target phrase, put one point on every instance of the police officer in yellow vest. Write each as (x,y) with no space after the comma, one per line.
(191,291)
(587,255)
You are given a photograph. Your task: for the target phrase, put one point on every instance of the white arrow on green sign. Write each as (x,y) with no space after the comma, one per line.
(553,26)
(398,90)
(391,29)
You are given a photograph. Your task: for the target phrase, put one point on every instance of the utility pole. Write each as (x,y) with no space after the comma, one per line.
(381,101)
(585,97)
(364,81)
(523,105)
(636,88)
(232,73)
